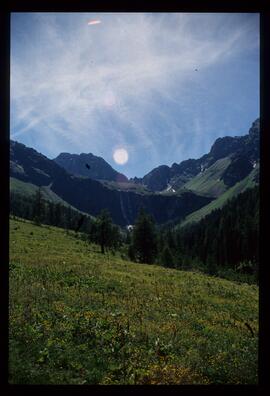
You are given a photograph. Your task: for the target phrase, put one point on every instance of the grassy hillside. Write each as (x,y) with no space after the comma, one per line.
(247,182)
(29,189)
(209,181)
(21,187)
(78,317)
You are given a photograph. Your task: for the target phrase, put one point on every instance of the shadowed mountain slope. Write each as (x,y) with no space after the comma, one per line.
(91,196)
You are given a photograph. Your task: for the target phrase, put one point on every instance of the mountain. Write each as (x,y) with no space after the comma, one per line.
(229,161)
(27,165)
(181,193)
(249,181)
(228,236)
(89,165)
(90,196)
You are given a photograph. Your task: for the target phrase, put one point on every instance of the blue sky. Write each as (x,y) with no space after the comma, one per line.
(130,82)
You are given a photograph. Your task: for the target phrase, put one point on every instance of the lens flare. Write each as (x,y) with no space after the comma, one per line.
(120,156)
(94,22)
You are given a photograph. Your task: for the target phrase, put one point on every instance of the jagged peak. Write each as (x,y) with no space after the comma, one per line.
(255,128)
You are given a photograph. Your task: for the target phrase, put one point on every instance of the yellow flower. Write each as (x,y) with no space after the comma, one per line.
(47,325)
(88,314)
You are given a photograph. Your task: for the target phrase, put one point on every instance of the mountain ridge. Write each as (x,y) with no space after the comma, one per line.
(89,165)
(91,196)
(176,176)
(170,193)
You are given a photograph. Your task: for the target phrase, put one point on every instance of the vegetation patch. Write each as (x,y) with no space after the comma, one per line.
(78,316)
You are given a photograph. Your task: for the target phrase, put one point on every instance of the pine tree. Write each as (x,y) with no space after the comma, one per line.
(116,238)
(211,265)
(166,257)
(38,211)
(131,252)
(104,230)
(144,239)
(57,214)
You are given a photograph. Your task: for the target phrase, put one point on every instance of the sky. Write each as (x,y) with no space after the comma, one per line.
(158,87)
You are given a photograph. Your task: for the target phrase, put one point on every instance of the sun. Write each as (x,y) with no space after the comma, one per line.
(120,156)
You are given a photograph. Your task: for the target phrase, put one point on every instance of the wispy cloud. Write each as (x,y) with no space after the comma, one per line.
(110,84)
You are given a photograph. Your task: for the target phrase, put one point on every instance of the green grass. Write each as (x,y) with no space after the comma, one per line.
(78,317)
(209,182)
(21,187)
(247,182)
(29,189)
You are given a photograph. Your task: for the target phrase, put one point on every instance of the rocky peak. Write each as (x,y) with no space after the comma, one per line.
(158,178)
(89,165)
(255,128)
(225,146)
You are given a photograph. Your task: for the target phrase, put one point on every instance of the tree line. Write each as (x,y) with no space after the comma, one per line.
(227,238)
(100,230)
(42,211)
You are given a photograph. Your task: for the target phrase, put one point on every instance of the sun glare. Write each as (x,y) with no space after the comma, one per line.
(120,156)
(94,22)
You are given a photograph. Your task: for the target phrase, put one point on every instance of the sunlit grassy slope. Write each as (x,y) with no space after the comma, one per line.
(29,189)
(247,182)
(209,181)
(78,317)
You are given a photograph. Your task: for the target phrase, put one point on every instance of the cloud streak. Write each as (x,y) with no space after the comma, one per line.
(98,88)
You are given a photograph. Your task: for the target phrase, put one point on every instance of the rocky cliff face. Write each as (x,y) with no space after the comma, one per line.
(89,165)
(28,165)
(158,178)
(243,150)
(198,181)
(91,196)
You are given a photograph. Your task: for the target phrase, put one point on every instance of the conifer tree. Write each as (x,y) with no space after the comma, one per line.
(38,207)
(144,239)
(105,231)
(166,257)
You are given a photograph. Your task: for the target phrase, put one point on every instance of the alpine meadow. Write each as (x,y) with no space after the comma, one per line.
(134,199)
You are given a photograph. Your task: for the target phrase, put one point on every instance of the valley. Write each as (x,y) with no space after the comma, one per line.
(133,227)
(171,297)
(174,193)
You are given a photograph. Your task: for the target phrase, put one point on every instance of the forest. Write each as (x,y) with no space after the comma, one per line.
(224,243)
